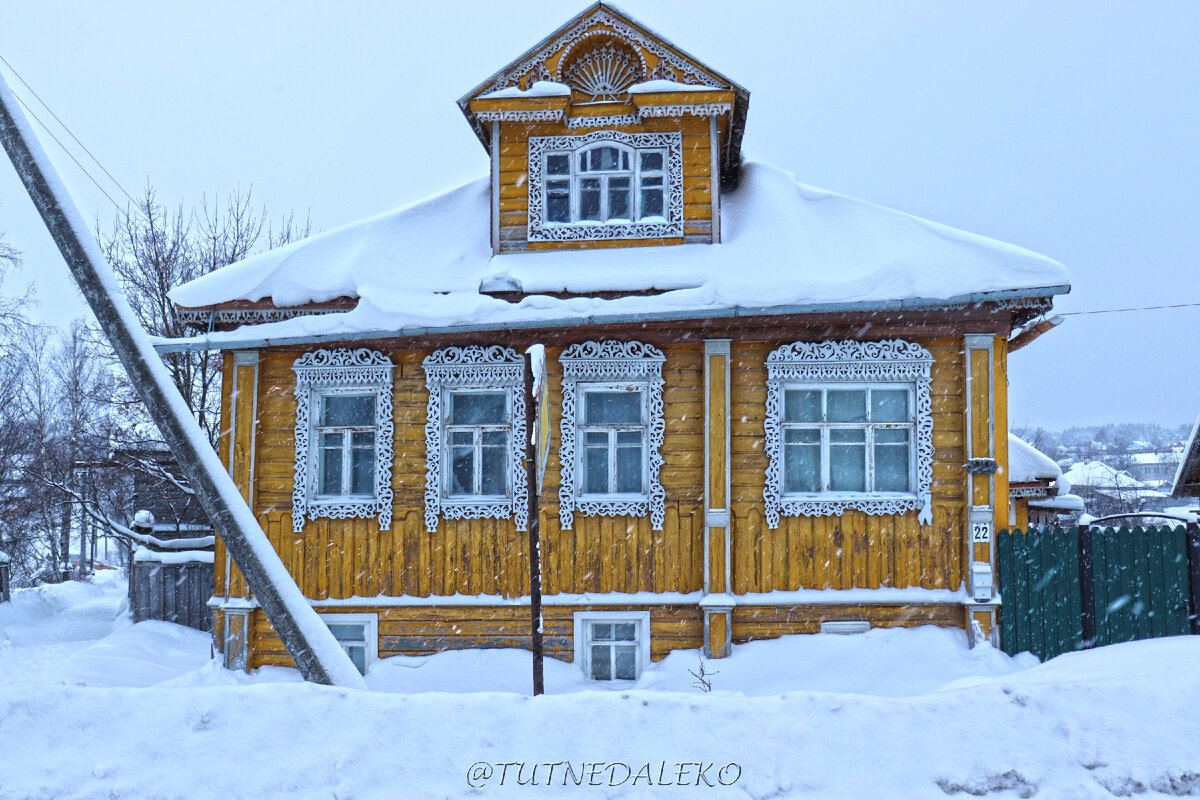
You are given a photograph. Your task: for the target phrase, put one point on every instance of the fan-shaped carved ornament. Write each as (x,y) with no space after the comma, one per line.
(604,72)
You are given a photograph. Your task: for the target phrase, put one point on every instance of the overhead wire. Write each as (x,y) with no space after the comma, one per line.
(63,146)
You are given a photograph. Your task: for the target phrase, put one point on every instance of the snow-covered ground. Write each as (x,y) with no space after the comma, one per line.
(884,714)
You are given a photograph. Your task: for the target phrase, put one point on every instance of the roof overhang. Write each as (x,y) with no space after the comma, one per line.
(1187,478)
(249,338)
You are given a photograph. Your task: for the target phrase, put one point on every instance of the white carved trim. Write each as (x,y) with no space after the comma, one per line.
(321,371)
(687,72)
(1029,491)
(614,120)
(474,367)
(200,317)
(632,363)
(541,231)
(694,109)
(895,361)
(522,115)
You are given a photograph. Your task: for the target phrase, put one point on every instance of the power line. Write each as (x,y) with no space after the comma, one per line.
(1120,310)
(71,133)
(82,168)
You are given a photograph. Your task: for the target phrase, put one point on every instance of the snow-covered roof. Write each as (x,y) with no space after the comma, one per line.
(1094,473)
(1027,464)
(4,559)
(786,247)
(1062,502)
(1187,476)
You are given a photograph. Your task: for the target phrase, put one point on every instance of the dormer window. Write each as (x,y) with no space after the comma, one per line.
(605,185)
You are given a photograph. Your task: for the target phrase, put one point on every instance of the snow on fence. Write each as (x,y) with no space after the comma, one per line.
(1067,589)
(173,589)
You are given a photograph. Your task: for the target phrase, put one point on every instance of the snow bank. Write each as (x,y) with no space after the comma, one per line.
(1085,725)
(786,245)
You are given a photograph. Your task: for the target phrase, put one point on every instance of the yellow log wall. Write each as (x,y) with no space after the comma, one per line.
(352,558)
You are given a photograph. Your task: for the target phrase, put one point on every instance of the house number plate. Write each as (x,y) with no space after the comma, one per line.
(981,532)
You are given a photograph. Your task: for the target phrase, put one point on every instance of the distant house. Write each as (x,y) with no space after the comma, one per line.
(1156,470)
(772,406)
(1039,493)
(1106,490)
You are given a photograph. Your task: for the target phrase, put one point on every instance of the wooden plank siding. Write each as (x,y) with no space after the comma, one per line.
(340,559)
(418,630)
(514,183)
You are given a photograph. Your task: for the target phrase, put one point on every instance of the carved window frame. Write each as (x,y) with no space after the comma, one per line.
(341,371)
(820,364)
(474,367)
(539,230)
(606,364)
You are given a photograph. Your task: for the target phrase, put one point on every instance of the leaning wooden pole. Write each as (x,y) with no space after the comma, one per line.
(308,641)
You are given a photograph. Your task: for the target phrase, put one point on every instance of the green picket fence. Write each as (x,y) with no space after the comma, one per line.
(1140,583)
(1039,583)
(1143,585)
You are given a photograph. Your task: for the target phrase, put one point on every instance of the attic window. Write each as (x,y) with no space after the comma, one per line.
(605,185)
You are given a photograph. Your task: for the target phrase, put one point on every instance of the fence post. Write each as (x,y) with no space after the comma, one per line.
(1087,590)
(1193,551)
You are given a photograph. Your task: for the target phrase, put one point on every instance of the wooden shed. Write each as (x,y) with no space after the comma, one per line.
(773,407)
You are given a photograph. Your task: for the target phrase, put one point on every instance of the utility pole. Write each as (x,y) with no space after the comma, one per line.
(308,641)
(535,567)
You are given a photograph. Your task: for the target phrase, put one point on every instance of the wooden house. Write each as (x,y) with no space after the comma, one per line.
(1038,493)
(773,407)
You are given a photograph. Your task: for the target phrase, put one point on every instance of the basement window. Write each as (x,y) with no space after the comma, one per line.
(358,636)
(612,646)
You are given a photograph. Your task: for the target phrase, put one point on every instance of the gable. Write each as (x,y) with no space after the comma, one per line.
(599,56)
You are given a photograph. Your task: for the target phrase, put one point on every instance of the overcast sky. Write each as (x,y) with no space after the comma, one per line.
(1069,128)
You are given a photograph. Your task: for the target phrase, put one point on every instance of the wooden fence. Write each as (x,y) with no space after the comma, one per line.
(172,592)
(1071,588)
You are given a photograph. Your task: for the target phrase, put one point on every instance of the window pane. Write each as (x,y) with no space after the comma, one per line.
(652,161)
(629,469)
(493,463)
(847,405)
(362,439)
(625,161)
(331,471)
(601,631)
(476,408)
(625,668)
(558,207)
(558,164)
(629,438)
(652,203)
(358,657)
(847,461)
(624,631)
(802,405)
(595,439)
(891,466)
(340,411)
(348,632)
(332,439)
(462,470)
(802,466)
(891,435)
(601,668)
(589,200)
(595,470)
(612,408)
(889,405)
(618,198)
(604,158)
(462,438)
(362,471)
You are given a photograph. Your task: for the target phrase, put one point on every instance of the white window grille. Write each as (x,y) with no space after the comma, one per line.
(612,645)
(474,432)
(358,634)
(612,431)
(605,185)
(848,426)
(344,447)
